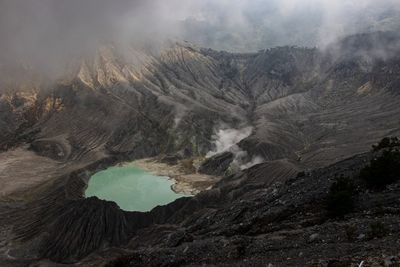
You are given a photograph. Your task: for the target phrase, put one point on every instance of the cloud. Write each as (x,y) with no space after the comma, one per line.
(48,33)
(257,24)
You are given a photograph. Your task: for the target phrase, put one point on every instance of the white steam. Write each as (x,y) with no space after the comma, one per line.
(226,140)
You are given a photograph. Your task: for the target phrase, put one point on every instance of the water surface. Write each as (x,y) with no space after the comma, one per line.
(132,188)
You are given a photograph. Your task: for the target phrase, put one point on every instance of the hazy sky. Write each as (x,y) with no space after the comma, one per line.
(47,32)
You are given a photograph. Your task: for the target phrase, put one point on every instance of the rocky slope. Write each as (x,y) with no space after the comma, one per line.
(308,109)
(251,220)
(304,104)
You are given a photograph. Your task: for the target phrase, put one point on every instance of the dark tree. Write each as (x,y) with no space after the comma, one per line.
(340,200)
(382,171)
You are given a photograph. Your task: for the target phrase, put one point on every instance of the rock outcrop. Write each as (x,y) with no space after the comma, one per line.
(217,165)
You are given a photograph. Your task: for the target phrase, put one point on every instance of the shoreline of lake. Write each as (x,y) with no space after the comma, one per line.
(132,188)
(184,182)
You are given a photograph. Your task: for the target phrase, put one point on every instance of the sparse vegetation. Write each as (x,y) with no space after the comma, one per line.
(377,230)
(301,174)
(341,196)
(387,142)
(382,170)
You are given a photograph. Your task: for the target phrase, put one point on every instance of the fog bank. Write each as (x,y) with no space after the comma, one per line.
(48,33)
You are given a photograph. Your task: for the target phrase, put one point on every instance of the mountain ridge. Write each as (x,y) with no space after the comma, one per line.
(308,109)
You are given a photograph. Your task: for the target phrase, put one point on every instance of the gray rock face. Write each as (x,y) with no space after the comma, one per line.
(314,238)
(217,165)
(99,221)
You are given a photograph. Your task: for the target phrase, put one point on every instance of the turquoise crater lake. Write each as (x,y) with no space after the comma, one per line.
(132,188)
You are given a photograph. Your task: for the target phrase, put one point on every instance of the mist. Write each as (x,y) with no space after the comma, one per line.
(227,140)
(239,25)
(46,34)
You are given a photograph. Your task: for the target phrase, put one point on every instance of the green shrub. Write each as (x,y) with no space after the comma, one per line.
(382,171)
(340,200)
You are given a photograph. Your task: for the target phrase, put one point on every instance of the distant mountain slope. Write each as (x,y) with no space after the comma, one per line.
(303,104)
(306,24)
